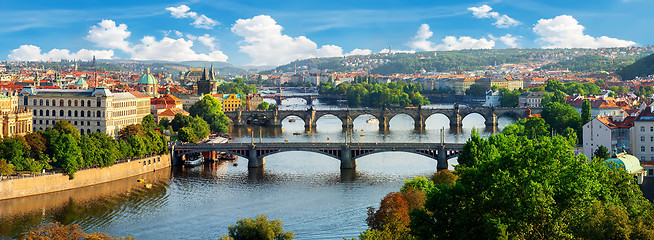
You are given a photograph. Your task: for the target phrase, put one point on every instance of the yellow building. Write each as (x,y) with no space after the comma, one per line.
(230,102)
(13,120)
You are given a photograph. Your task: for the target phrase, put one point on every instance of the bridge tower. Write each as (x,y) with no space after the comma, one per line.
(310,120)
(455,118)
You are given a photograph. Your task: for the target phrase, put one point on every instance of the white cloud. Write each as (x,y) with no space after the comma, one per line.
(357,51)
(564,31)
(501,21)
(208,41)
(264,42)
(200,21)
(33,53)
(421,42)
(106,34)
(169,49)
(508,40)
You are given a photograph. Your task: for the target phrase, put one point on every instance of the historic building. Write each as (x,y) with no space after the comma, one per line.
(148,84)
(13,119)
(230,102)
(611,132)
(208,83)
(642,135)
(90,110)
(252,101)
(530,99)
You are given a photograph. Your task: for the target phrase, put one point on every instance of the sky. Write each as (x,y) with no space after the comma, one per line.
(271,33)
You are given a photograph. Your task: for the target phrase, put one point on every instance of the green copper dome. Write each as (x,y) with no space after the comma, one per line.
(81,82)
(147,79)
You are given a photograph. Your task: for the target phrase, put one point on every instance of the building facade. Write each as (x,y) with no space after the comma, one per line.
(14,120)
(642,135)
(252,101)
(91,110)
(610,132)
(207,84)
(530,99)
(231,102)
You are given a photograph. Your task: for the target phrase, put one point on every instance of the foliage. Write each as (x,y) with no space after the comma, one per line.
(531,128)
(68,154)
(129,131)
(6,168)
(601,153)
(209,109)
(236,86)
(445,176)
(148,122)
(259,228)
(522,188)
(477,89)
(56,230)
(377,95)
(585,112)
(509,98)
(163,123)
(592,63)
(641,68)
(66,127)
(418,183)
(263,106)
(186,134)
(560,116)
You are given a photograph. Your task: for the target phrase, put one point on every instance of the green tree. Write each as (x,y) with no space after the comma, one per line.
(163,123)
(180,121)
(148,122)
(522,188)
(263,106)
(602,153)
(68,154)
(260,228)
(585,112)
(209,109)
(477,89)
(129,131)
(445,176)
(560,116)
(65,127)
(6,168)
(187,134)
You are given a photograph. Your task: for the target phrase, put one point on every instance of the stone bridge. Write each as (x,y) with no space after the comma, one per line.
(308,97)
(384,115)
(347,153)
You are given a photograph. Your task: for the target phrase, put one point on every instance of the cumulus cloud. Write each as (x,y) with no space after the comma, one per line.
(264,42)
(109,35)
(421,42)
(564,31)
(508,40)
(357,51)
(501,20)
(33,53)
(200,21)
(106,34)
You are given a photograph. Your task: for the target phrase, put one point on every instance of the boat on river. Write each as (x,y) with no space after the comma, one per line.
(194,161)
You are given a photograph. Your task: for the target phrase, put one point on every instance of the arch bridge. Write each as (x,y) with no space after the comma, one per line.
(307,97)
(346,153)
(384,115)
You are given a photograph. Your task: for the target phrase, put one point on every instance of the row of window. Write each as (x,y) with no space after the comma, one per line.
(61,102)
(651,138)
(71,113)
(642,128)
(81,123)
(642,149)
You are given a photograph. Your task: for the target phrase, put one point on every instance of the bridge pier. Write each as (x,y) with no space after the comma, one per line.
(442,158)
(491,120)
(419,122)
(253,160)
(455,120)
(347,123)
(347,162)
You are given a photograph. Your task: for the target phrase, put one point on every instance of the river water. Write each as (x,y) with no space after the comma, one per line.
(307,191)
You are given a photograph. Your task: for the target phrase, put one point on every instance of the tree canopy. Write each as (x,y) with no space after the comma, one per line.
(259,228)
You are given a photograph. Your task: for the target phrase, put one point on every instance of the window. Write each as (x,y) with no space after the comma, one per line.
(651,129)
(97,114)
(40,102)
(642,148)
(61,113)
(75,103)
(651,149)
(34,102)
(54,103)
(47,122)
(88,113)
(82,102)
(47,113)
(642,128)
(642,138)
(54,113)
(25,100)
(47,102)
(70,103)
(98,101)
(70,113)
(40,112)
(40,121)
(75,123)
(81,113)
(88,103)
(61,102)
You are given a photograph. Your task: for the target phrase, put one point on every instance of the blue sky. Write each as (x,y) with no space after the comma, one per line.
(277,32)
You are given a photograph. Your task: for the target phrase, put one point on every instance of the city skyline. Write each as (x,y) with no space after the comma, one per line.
(264,33)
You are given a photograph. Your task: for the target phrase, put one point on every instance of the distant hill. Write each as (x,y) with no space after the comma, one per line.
(594,63)
(641,68)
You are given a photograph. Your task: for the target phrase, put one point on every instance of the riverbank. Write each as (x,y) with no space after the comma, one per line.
(29,186)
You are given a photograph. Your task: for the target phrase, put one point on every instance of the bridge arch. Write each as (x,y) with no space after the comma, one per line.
(473,114)
(403,117)
(180,154)
(432,155)
(437,120)
(334,156)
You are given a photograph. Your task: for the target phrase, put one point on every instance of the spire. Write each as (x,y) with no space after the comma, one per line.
(211,73)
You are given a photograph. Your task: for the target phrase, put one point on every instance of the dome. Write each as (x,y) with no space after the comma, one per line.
(627,162)
(81,82)
(147,79)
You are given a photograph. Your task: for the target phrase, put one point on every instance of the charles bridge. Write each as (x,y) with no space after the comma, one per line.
(310,116)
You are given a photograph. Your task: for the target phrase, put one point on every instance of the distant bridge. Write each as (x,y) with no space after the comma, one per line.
(308,98)
(384,115)
(346,153)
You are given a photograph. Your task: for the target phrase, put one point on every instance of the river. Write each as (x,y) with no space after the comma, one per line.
(307,191)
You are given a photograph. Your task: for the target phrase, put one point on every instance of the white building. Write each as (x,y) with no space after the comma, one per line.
(610,132)
(642,135)
(492,99)
(89,110)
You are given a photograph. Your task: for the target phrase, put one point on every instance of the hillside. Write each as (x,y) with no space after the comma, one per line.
(641,68)
(594,63)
